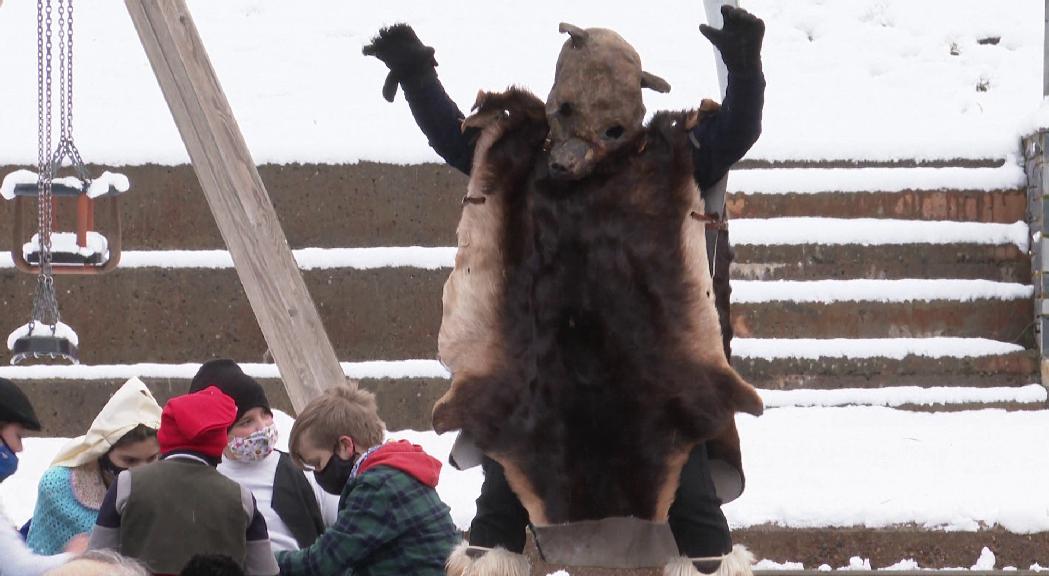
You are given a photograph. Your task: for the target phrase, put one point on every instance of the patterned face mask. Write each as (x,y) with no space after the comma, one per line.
(255,446)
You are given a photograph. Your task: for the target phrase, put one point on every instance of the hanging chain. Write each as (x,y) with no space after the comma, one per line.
(45,304)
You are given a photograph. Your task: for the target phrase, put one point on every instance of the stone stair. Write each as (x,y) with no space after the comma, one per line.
(178,315)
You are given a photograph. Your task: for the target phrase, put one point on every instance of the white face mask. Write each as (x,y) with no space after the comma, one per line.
(255,446)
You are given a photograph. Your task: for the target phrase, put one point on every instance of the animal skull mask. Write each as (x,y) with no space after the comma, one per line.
(595,106)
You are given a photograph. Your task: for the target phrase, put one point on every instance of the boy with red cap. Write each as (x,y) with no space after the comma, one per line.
(391,521)
(166,512)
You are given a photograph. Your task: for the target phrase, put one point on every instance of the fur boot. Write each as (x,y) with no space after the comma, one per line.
(494,562)
(738,562)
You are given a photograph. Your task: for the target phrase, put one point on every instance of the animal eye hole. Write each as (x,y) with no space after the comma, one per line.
(614,133)
(565,109)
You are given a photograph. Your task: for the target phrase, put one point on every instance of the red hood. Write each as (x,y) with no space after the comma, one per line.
(406,457)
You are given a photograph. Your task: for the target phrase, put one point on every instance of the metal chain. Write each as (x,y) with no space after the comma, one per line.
(45,304)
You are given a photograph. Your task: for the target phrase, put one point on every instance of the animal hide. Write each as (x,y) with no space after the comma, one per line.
(579,321)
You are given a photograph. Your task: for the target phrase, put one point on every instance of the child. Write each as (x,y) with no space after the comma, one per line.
(17,416)
(166,512)
(123,435)
(297,511)
(391,520)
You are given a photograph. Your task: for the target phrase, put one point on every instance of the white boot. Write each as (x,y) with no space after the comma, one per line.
(736,563)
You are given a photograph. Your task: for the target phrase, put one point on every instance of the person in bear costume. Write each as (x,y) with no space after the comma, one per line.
(582,290)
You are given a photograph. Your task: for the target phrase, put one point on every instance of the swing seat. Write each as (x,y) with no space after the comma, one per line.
(66,252)
(43,343)
(83,252)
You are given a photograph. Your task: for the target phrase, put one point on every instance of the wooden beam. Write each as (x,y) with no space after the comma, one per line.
(238,199)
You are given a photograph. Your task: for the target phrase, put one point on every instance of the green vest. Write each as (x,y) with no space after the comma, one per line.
(178,508)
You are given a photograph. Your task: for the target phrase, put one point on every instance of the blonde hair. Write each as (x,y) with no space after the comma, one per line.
(344,410)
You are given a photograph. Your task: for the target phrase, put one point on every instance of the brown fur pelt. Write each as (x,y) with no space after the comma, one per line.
(579,321)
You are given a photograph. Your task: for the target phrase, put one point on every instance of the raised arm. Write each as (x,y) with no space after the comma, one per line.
(722,139)
(413,67)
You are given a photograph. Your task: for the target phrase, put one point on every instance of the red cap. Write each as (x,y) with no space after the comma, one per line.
(197,422)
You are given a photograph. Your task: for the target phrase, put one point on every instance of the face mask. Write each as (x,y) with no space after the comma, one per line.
(333,477)
(254,447)
(8,461)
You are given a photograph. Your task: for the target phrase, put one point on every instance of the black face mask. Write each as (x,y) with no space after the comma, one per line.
(109,469)
(335,474)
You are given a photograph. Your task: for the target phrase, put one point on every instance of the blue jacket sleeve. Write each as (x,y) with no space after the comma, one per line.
(727,135)
(440,120)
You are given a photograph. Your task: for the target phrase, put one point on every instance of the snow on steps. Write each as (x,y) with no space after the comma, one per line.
(826,484)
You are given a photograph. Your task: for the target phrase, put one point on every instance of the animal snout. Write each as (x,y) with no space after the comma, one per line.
(568,160)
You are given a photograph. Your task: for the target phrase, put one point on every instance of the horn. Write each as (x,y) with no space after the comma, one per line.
(579,36)
(654,82)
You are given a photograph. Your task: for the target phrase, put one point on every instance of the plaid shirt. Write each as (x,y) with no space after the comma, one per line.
(389,523)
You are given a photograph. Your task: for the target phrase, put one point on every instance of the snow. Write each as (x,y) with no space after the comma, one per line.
(368,369)
(875,467)
(902,395)
(986,560)
(864,80)
(7,188)
(1009,176)
(105,182)
(62,330)
(873,232)
(864,290)
(896,348)
(99,186)
(66,242)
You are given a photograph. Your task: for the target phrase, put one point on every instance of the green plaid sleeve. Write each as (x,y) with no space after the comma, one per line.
(389,523)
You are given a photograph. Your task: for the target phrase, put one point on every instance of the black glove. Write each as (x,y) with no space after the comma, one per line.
(404,54)
(738,40)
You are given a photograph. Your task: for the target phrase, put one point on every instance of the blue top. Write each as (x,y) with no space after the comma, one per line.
(67,504)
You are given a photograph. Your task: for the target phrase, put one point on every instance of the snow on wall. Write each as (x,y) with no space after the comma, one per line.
(745,231)
(903,395)
(873,232)
(897,348)
(874,467)
(883,79)
(1008,176)
(863,290)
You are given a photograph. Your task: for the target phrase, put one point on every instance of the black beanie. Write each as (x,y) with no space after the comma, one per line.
(15,406)
(227,376)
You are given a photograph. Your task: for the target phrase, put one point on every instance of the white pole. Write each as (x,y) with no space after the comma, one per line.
(713,10)
(1045,53)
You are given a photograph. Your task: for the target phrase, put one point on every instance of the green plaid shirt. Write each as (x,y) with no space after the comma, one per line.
(389,523)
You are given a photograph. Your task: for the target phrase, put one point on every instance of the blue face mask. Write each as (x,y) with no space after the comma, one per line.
(8,461)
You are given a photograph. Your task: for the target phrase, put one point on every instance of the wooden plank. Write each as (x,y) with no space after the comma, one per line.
(238,199)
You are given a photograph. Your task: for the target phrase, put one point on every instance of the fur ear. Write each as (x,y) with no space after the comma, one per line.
(579,36)
(654,82)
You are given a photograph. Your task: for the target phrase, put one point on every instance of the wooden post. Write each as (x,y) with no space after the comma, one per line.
(238,199)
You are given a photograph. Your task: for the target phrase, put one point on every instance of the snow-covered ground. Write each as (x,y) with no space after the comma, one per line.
(862,79)
(874,467)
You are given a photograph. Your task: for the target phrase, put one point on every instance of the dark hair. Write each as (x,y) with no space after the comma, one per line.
(211,565)
(135,435)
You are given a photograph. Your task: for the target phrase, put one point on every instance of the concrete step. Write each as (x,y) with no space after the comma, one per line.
(1003,263)
(827,373)
(814,547)
(1006,320)
(1001,206)
(175,315)
(372,204)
